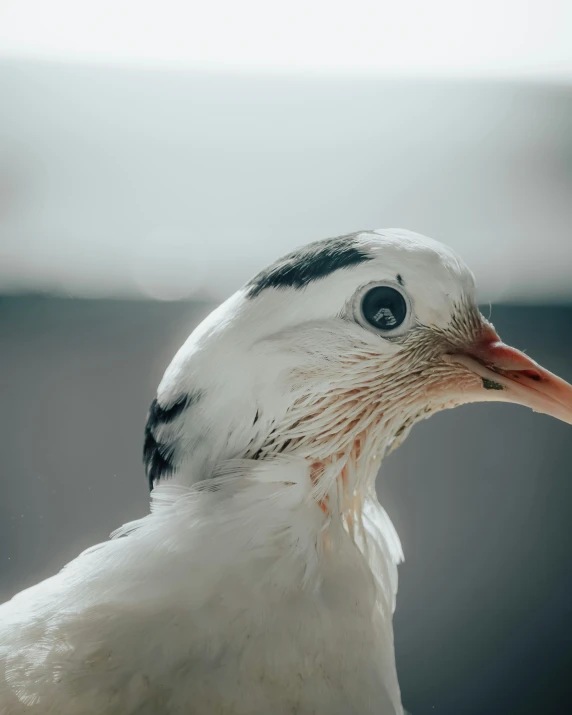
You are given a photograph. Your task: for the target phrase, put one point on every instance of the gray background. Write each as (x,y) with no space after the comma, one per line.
(123,189)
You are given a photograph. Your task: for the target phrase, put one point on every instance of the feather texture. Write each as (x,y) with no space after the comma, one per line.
(152,620)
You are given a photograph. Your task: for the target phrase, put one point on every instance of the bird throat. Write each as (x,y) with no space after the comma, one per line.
(345,433)
(342,482)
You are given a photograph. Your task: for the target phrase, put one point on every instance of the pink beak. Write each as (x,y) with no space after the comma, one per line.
(509,375)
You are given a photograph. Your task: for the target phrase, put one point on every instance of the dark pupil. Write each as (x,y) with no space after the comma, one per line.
(384,307)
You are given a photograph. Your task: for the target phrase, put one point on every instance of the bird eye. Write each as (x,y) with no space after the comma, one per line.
(384,308)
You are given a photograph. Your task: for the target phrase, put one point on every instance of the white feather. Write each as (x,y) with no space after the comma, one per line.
(152,620)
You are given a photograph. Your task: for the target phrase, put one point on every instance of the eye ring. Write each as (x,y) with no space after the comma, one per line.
(383,308)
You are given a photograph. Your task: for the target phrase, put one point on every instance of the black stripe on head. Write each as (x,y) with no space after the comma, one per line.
(159,446)
(310,263)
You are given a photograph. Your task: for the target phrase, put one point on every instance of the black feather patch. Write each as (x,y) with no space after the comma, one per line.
(165,415)
(158,458)
(159,453)
(310,263)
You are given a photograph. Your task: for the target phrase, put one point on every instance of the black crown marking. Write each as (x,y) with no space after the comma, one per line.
(310,263)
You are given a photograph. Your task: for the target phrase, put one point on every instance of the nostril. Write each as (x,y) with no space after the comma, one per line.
(517,374)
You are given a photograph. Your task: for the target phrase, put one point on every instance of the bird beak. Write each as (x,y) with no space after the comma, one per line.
(508,375)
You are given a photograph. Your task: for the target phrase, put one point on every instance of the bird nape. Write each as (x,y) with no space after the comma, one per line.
(264,578)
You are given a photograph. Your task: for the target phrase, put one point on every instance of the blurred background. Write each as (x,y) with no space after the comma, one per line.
(153,156)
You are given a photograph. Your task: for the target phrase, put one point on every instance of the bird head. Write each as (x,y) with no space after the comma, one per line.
(331,355)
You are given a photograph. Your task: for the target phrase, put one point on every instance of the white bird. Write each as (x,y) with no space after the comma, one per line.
(263,581)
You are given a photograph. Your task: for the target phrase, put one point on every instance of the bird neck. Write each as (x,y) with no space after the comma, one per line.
(343,480)
(344,490)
